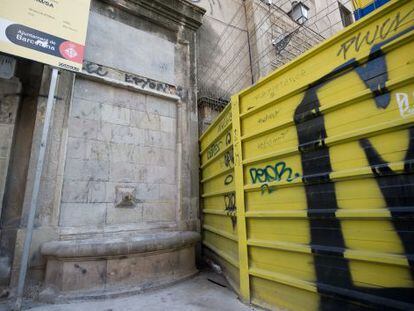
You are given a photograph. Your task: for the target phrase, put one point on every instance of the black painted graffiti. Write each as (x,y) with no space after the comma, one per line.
(93,68)
(382,31)
(228,138)
(271,173)
(230,207)
(229,158)
(265,188)
(228,180)
(397,189)
(213,150)
(327,240)
(146,83)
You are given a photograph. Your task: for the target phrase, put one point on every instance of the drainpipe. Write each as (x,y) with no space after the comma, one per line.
(248,42)
(35,192)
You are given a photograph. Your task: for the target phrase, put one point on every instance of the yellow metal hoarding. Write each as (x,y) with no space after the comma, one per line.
(323,173)
(52,32)
(218,196)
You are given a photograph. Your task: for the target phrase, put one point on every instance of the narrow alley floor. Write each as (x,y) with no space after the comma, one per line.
(206,291)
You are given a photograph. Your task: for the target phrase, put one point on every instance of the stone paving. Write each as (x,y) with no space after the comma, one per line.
(206,291)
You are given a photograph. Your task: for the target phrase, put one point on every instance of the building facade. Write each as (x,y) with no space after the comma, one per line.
(242,41)
(120,180)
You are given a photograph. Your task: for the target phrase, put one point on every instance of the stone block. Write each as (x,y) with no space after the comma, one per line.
(148,192)
(138,135)
(168,158)
(155,55)
(86,109)
(123,152)
(151,155)
(86,170)
(111,192)
(160,139)
(75,191)
(91,91)
(117,216)
(123,172)
(77,148)
(122,134)
(115,115)
(168,192)
(162,174)
(145,120)
(159,212)
(97,192)
(98,150)
(153,176)
(78,275)
(142,172)
(6,132)
(140,270)
(168,124)
(8,109)
(81,128)
(110,263)
(82,214)
(160,106)
(4,163)
(130,100)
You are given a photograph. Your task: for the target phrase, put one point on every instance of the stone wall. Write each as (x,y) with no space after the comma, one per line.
(236,40)
(10,92)
(223,49)
(120,141)
(122,154)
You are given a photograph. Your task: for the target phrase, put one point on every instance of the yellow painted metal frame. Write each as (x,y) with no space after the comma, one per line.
(241,217)
(265,235)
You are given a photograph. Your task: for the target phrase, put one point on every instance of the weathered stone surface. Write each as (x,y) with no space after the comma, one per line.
(145,260)
(158,212)
(156,60)
(141,243)
(112,134)
(82,214)
(75,275)
(117,215)
(151,270)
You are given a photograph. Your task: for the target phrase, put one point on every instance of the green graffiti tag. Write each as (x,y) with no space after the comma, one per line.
(278,172)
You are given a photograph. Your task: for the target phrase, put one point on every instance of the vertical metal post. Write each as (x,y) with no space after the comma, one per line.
(240,202)
(35,192)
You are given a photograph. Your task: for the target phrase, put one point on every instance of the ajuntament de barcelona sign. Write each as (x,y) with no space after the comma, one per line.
(52,32)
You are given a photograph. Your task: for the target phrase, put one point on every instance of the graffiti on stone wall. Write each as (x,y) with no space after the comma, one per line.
(144,83)
(93,68)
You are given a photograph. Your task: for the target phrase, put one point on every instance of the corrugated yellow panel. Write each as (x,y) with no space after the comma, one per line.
(218,197)
(226,247)
(221,222)
(324,170)
(222,123)
(361,3)
(287,199)
(276,295)
(218,147)
(280,230)
(221,183)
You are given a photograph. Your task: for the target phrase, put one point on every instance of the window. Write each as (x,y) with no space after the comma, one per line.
(346,15)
